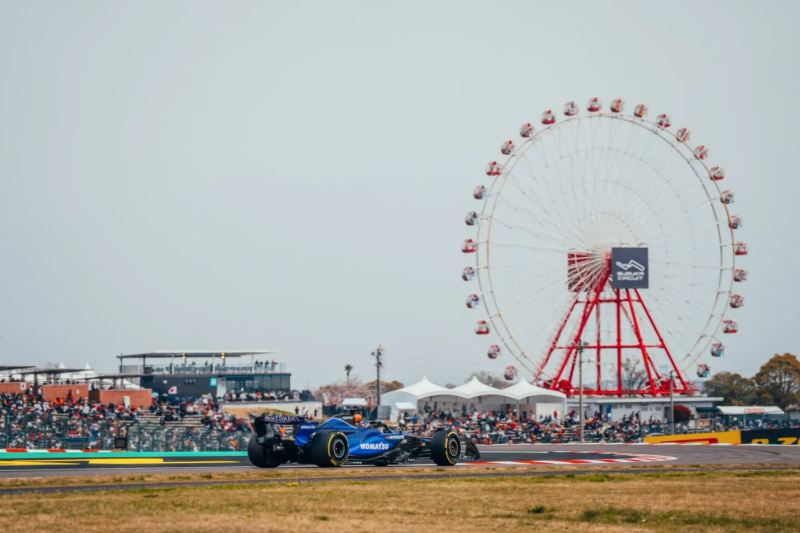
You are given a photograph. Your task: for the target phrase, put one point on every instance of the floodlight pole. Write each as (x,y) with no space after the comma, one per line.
(671,404)
(378,355)
(580,391)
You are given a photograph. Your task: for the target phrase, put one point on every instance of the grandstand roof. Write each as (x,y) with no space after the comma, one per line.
(46,370)
(193,353)
(741,410)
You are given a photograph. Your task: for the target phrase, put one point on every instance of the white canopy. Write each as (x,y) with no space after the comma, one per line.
(473,388)
(741,410)
(522,389)
(424,388)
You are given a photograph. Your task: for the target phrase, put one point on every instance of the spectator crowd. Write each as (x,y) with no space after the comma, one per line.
(169,424)
(501,427)
(29,421)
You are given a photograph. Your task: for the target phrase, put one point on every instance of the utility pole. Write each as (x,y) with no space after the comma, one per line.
(378,355)
(671,404)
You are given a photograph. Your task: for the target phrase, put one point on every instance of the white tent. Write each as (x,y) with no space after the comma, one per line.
(423,388)
(522,390)
(476,394)
(475,389)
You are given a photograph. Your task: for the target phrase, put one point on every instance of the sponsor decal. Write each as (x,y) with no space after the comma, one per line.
(393,437)
(284,419)
(788,436)
(629,268)
(714,437)
(374,446)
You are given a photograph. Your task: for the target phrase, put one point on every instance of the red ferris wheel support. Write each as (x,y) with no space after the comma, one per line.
(593,293)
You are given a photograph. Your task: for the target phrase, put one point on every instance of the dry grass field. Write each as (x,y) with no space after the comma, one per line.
(718,501)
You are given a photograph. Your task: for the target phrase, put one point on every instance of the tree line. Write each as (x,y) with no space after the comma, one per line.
(777,382)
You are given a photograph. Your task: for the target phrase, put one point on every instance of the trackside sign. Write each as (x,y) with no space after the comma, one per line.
(629,268)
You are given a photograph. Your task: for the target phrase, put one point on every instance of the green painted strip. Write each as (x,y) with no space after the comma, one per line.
(115,455)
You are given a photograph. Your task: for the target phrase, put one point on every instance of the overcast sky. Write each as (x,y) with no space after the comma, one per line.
(294,175)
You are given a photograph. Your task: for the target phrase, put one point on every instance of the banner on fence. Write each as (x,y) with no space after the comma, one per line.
(716,437)
(771,436)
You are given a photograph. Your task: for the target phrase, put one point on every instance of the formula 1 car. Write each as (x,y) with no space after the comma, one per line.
(336,442)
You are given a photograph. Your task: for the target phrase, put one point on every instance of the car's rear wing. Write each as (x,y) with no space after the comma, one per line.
(284,420)
(263,425)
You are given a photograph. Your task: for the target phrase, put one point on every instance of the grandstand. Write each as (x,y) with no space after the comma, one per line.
(196,373)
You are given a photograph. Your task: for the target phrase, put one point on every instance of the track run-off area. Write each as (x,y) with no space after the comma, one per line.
(527,457)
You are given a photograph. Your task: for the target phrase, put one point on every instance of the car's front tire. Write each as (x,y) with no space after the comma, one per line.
(445,448)
(329,448)
(260,456)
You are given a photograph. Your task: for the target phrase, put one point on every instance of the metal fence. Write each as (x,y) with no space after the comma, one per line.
(42,432)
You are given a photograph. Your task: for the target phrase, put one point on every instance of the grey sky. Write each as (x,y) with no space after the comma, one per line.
(294,175)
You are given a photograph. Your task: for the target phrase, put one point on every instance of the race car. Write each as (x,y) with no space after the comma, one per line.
(337,441)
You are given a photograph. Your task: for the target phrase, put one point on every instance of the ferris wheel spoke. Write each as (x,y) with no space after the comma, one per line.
(552,206)
(695,265)
(512,227)
(529,247)
(522,209)
(533,200)
(524,263)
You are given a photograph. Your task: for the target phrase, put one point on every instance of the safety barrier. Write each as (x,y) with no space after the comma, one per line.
(788,436)
(53,432)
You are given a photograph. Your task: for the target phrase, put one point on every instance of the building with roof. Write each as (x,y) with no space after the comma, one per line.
(192,373)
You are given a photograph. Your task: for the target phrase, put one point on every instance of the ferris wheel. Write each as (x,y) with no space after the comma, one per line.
(605,237)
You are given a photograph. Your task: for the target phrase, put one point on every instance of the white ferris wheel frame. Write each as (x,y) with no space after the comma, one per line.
(702,172)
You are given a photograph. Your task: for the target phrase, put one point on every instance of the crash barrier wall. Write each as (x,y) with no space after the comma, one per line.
(14,387)
(53,392)
(745,436)
(715,437)
(135,397)
(34,432)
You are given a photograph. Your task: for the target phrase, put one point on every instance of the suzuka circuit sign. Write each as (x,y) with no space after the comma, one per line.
(629,268)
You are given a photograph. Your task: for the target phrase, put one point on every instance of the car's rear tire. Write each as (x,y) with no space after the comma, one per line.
(260,456)
(445,448)
(329,448)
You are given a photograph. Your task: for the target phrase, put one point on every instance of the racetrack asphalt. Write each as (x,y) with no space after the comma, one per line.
(526,456)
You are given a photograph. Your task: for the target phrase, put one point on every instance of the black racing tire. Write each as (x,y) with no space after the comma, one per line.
(329,448)
(260,456)
(445,448)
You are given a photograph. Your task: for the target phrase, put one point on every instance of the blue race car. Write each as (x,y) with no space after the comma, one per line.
(337,441)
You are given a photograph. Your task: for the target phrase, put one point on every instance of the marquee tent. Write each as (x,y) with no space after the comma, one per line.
(475,395)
